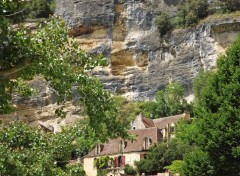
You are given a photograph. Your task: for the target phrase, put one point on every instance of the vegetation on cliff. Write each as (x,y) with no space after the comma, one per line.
(169,101)
(190,12)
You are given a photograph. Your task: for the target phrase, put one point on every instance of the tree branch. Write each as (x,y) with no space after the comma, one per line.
(16,13)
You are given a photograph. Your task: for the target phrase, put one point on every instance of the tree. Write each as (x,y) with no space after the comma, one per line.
(127,110)
(218,120)
(75,170)
(160,156)
(197,163)
(168,102)
(39,8)
(27,151)
(129,170)
(163,23)
(101,163)
(189,12)
(231,5)
(50,53)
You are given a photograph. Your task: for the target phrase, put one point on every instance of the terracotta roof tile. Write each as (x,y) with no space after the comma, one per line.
(162,122)
(112,147)
(148,122)
(151,131)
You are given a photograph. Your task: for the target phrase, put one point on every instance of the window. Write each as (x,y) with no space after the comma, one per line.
(147,143)
(119,161)
(99,148)
(172,129)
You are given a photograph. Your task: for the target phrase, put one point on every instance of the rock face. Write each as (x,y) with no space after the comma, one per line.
(39,109)
(140,61)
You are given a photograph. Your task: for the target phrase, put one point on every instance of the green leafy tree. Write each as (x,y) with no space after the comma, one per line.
(129,170)
(176,167)
(197,163)
(75,170)
(163,23)
(127,110)
(25,151)
(50,53)
(216,132)
(160,156)
(101,164)
(168,102)
(190,12)
(230,5)
(39,8)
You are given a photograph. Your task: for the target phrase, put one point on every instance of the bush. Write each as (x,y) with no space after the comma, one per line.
(40,8)
(160,156)
(75,170)
(168,102)
(189,12)
(163,23)
(129,170)
(230,5)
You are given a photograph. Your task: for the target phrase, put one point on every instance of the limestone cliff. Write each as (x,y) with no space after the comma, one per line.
(140,61)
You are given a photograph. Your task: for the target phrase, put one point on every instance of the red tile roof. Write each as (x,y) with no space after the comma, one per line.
(148,122)
(152,131)
(162,122)
(112,147)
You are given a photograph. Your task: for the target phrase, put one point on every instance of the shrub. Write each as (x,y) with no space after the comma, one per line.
(129,170)
(230,5)
(189,12)
(163,23)
(40,8)
(75,170)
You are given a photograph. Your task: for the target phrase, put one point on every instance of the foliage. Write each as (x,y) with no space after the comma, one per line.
(75,170)
(197,163)
(25,151)
(49,52)
(190,12)
(160,156)
(215,132)
(101,163)
(186,131)
(230,5)
(176,167)
(163,23)
(168,102)
(129,170)
(40,8)
(127,110)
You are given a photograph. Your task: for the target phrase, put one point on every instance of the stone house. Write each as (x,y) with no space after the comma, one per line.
(147,131)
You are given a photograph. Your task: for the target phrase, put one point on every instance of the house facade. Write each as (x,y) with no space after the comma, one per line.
(147,131)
